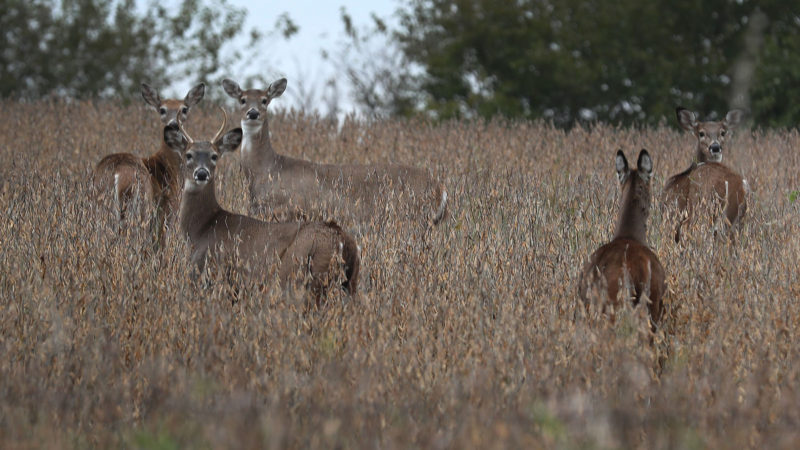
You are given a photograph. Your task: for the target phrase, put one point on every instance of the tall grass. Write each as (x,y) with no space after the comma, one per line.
(467,335)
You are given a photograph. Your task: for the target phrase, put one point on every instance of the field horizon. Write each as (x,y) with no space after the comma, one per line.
(467,335)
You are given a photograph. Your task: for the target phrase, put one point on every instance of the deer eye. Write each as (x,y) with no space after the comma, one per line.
(184,110)
(701,134)
(188,157)
(162,110)
(722,133)
(242,101)
(214,157)
(263,101)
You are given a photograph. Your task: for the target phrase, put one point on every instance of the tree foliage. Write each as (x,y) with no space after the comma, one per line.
(625,61)
(379,80)
(88,48)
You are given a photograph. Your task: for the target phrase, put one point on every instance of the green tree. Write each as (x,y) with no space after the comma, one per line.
(88,48)
(777,73)
(626,61)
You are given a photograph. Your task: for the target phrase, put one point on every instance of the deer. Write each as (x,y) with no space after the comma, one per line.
(218,234)
(708,180)
(155,178)
(627,260)
(299,187)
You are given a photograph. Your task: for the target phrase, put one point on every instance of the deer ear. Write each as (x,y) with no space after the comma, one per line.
(174,138)
(644,165)
(151,96)
(229,141)
(276,88)
(231,88)
(686,119)
(195,95)
(733,118)
(622,166)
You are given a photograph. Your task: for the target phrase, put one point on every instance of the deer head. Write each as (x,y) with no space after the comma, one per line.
(710,136)
(253,102)
(200,157)
(171,110)
(644,170)
(635,206)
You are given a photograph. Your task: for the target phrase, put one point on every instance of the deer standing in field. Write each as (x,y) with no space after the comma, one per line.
(214,232)
(302,187)
(155,178)
(707,179)
(628,258)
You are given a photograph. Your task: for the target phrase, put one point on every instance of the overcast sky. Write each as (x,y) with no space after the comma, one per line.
(299,58)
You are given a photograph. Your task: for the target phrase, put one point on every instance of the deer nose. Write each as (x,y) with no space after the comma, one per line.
(715,148)
(201,174)
(172,122)
(252,114)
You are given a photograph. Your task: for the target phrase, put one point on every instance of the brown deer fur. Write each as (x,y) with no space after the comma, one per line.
(708,181)
(627,258)
(156,177)
(301,188)
(219,234)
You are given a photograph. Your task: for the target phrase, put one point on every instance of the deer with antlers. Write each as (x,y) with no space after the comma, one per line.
(708,182)
(302,188)
(155,178)
(308,247)
(627,261)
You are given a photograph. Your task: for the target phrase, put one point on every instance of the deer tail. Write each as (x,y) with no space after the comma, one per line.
(442,210)
(351,255)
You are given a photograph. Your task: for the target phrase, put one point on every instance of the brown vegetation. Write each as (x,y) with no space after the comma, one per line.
(467,335)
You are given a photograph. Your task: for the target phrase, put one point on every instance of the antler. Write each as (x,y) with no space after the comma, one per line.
(183,130)
(222,128)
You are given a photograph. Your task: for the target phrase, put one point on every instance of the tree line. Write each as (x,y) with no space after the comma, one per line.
(104,48)
(625,61)
(566,61)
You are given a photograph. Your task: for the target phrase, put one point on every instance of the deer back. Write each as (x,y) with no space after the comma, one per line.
(253,241)
(359,192)
(712,186)
(124,176)
(624,261)
(299,248)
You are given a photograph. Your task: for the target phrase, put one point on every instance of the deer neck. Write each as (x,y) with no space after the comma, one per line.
(633,213)
(172,163)
(171,158)
(700,156)
(199,207)
(164,166)
(256,144)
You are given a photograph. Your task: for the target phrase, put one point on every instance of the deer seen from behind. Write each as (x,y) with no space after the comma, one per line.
(308,247)
(300,188)
(708,183)
(154,179)
(627,261)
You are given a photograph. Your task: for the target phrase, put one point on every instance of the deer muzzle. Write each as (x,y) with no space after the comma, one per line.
(252,114)
(202,175)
